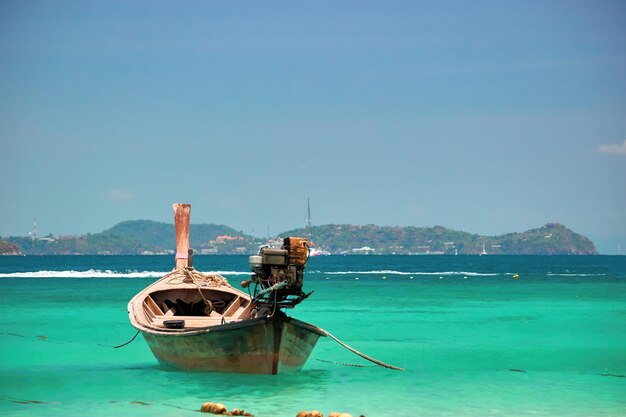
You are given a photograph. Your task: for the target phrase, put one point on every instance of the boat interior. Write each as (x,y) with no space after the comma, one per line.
(184,308)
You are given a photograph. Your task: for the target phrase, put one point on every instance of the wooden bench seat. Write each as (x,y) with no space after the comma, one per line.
(239,308)
(151,309)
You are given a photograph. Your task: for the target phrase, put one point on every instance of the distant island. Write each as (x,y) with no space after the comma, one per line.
(145,237)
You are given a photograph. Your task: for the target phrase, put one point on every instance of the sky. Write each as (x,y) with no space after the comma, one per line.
(489,117)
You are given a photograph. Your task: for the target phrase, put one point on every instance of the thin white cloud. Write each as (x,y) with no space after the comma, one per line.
(118,195)
(613,149)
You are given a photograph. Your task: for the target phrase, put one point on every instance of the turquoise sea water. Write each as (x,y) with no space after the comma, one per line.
(474,341)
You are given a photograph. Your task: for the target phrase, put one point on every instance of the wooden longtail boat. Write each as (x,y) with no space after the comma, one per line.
(196,321)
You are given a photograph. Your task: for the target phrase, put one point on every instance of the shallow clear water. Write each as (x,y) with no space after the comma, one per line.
(462,326)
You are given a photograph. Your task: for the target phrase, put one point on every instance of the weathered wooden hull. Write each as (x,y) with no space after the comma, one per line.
(258,346)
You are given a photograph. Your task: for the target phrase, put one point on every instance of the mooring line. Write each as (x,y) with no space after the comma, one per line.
(123,344)
(355,365)
(356,352)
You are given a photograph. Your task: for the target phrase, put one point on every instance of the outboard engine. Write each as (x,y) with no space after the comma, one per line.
(278,274)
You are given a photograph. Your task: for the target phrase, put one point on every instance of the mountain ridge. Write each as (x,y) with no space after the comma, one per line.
(550,239)
(147,237)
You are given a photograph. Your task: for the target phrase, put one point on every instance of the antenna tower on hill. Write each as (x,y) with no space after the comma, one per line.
(33,233)
(308,220)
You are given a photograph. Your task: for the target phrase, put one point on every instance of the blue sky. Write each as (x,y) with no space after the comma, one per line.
(484,116)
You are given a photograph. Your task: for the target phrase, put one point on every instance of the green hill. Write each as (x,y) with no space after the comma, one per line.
(551,239)
(149,237)
(159,235)
(141,237)
(8,248)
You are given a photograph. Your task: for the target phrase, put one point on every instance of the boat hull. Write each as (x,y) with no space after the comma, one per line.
(256,346)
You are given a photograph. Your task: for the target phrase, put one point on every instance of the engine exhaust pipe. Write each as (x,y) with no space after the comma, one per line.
(182,213)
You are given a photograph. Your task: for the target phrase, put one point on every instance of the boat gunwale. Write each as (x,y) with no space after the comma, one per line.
(227,326)
(136,303)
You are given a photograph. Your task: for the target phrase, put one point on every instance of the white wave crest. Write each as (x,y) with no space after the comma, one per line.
(91,273)
(96,273)
(550,274)
(391,272)
(227,273)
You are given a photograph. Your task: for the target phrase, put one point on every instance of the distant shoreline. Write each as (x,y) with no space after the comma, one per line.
(325,256)
(144,237)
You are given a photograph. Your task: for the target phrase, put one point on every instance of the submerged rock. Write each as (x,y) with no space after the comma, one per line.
(313,413)
(217,408)
(213,408)
(238,412)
